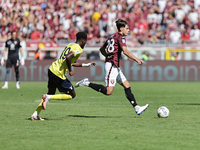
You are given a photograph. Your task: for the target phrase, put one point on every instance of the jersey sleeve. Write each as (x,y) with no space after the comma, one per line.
(6,44)
(122,41)
(19,44)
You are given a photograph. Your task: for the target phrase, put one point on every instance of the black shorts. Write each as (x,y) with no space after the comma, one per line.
(56,82)
(11,62)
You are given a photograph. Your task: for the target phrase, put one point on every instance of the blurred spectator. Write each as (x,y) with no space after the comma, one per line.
(66,22)
(186,7)
(196,4)
(160,34)
(48,34)
(38,55)
(195,34)
(171,22)
(175,36)
(174,57)
(36,35)
(193,16)
(42,19)
(162,4)
(145,56)
(152,16)
(72,32)
(185,37)
(3,36)
(152,38)
(142,26)
(61,34)
(96,16)
(179,14)
(104,20)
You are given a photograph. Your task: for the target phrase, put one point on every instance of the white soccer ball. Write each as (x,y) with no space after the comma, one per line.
(163,112)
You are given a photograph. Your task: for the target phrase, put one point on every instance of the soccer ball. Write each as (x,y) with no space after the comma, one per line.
(163,112)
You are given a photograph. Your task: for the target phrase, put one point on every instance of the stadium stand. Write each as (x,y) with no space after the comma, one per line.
(152,22)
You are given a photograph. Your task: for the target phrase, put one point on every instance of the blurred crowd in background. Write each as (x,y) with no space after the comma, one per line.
(150,21)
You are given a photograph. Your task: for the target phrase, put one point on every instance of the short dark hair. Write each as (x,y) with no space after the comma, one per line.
(81,36)
(13,32)
(121,23)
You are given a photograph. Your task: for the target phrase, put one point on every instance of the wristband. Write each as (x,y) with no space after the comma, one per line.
(2,59)
(86,65)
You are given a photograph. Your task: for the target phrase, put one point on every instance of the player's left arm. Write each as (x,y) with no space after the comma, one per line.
(131,56)
(91,64)
(103,51)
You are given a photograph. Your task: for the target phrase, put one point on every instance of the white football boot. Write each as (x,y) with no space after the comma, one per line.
(17,85)
(5,85)
(84,82)
(36,118)
(140,109)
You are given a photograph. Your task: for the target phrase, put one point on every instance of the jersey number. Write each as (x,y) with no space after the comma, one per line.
(110,47)
(65,52)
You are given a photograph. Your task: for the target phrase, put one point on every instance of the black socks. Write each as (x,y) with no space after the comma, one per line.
(130,96)
(98,88)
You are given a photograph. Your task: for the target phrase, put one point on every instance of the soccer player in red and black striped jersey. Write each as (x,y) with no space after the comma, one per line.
(112,49)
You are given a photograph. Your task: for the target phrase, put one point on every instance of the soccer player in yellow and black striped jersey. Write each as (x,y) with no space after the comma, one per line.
(57,74)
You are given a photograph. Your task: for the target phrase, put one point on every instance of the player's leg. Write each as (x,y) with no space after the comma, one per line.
(51,91)
(110,81)
(64,86)
(121,79)
(94,86)
(8,69)
(101,88)
(35,115)
(16,67)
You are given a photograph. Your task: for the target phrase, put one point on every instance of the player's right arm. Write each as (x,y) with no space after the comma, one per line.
(69,57)
(131,56)
(4,53)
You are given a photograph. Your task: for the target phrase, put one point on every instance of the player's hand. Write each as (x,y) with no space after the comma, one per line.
(93,64)
(22,62)
(71,73)
(140,62)
(2,61)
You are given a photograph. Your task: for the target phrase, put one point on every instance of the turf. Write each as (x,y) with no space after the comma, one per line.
(93,121)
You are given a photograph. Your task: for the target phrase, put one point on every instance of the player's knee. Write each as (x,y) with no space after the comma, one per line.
(73,95)
(8,70)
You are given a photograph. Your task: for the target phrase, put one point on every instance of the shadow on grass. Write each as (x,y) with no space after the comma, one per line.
(188,103)
(83,116)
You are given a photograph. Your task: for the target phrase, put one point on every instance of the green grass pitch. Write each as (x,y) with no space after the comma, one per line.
(93,121)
